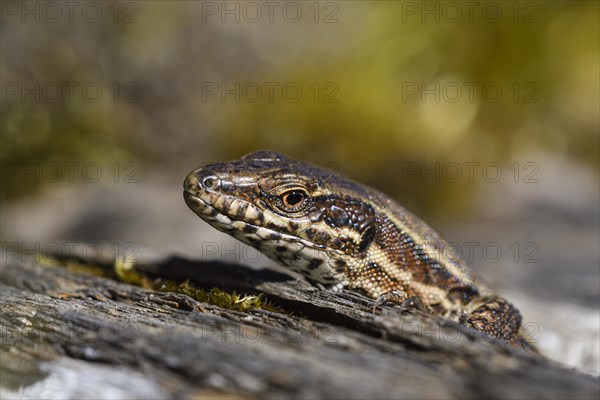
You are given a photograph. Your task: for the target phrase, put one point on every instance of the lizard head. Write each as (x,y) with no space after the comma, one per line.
(307,218)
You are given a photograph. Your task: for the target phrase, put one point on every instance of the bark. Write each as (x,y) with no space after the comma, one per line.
(75,335)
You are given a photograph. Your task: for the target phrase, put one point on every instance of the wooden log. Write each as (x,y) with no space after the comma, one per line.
(74,335)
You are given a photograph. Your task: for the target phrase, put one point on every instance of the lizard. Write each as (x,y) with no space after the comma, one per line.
(338,234)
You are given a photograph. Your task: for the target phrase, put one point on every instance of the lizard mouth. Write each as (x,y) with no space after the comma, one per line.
(210,214)
(194,202)
(206,211)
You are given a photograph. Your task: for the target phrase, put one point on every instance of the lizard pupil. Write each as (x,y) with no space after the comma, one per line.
(292,199)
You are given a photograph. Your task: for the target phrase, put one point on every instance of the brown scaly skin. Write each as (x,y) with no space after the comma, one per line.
(339,233)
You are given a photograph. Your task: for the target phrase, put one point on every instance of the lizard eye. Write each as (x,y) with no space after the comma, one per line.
(293,200)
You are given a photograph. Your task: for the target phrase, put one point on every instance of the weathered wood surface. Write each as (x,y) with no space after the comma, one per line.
(72,335)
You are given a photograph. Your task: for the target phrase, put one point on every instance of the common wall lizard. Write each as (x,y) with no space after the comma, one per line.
(339,233)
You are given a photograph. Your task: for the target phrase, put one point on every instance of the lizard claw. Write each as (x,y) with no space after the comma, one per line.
(395,296)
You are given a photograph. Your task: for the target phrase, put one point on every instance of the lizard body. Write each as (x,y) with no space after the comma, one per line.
(339,233)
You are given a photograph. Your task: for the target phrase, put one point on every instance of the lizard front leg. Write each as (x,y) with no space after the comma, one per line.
(406,302)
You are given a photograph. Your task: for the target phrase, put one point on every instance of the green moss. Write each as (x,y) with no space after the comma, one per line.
(125,271)
(218,297)
(232,301)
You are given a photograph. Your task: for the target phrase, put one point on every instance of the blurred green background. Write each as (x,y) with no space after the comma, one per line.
(382,84)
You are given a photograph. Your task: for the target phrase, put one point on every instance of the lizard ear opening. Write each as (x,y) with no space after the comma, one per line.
(366,239)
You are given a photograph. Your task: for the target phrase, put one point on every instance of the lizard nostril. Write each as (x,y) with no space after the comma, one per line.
(208,183)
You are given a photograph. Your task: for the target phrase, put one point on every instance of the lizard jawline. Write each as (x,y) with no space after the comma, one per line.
(307,258)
